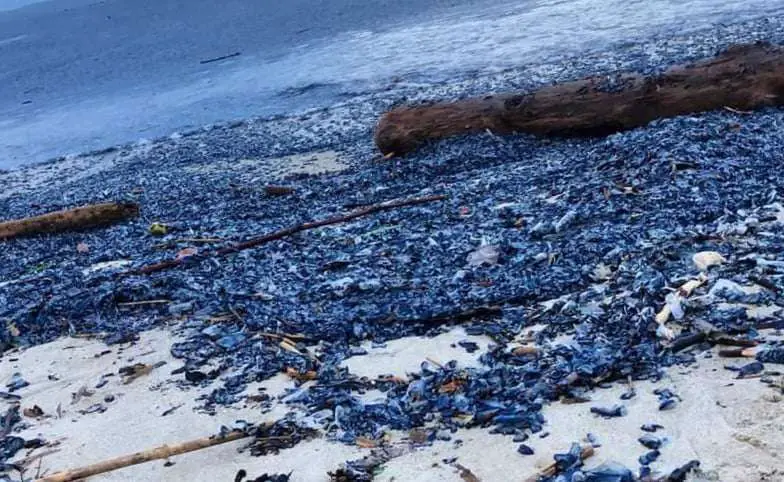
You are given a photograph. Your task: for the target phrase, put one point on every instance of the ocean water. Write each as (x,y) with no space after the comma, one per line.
(456,42)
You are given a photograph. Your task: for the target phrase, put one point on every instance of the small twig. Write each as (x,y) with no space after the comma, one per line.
(434,362)
(738,352)
(170,244)
(198,240)
(253,242)
(736,111)
(32,458)
(222,57)
(38,469)
(142,303)
(765,283)
(237,315)
(687,340)
(727,340)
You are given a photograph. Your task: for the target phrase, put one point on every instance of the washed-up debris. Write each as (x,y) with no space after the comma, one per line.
(466,474)
(273,437)
(363,470)
(590,106)
(750,370)
(673,306)
(251,243)
(705,259)
(302,377)
(9,446)
(158,229)
(651,427)
(771,355)
(651,441)
(681,473)
(649,457)
(9,396)
(407,268)
(668,400)
(483,255)
(609,472)
(137,370)
(593,440)
(9,420)
(272,190)
(78,395)
(242,474)
(222,57)
(171,410)
(16,383)
(525,449)
(94,408)
(610,412)
(565,465)
(79,218)
(33,412)
(158,453)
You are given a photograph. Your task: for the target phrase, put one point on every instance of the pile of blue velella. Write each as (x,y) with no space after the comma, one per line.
(603,226)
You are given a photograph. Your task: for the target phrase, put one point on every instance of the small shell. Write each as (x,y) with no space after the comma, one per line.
(705,259)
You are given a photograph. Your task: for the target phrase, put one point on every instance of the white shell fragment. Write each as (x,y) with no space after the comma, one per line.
(705,259)
(486,254)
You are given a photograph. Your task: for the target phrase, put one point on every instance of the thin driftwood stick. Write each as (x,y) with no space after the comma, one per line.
(162,452)
(75,219)
(552,469)
(253,242)
(743,78)
(738,352)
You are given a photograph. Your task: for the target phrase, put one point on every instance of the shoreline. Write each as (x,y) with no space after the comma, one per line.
(594,282)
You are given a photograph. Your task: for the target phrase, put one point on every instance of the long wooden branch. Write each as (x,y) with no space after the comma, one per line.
(744,77)
(82,217)
(253,242)
(162,452)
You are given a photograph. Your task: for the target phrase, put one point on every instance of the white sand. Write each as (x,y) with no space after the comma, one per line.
(732,426)
(318,162)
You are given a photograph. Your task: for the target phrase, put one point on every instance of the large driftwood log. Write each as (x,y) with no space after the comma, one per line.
(744,77)
(75,219)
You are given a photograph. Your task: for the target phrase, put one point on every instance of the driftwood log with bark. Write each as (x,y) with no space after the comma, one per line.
(75,219)
(742,78)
